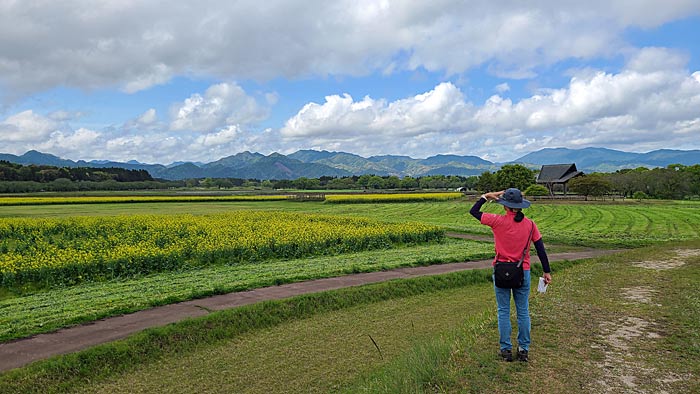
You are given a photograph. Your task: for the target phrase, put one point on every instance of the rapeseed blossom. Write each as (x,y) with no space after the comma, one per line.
(67,250)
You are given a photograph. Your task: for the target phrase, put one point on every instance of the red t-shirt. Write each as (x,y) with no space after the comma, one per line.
(510,236)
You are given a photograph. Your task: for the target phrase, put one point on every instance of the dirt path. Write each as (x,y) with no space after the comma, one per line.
(21,352)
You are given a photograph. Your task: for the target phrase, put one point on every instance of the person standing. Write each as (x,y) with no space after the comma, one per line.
(511,233)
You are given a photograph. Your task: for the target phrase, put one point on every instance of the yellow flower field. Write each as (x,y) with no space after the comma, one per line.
(6,201)
(389,197)
(69,250)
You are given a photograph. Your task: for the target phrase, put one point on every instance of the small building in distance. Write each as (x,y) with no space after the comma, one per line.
(553,175)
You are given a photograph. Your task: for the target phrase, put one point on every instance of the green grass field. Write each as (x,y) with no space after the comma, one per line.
(438,339)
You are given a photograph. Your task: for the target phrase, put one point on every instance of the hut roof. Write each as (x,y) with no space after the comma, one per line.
(557,173)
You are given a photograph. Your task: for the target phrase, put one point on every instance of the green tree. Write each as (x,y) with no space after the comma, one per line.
(433,182)
(363,180)
(409,183)
(63,185)
(208,183)
(591,185)
(341,183)
(375,182)
(514,175)
(471,182)
(536,190)
(392,182)
(225,183)
(671,182)
(306,183)
(454,181)
(693,173)
(283,184)
(487,182)
(640,195)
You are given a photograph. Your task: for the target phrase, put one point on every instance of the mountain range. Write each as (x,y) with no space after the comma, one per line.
(314,164)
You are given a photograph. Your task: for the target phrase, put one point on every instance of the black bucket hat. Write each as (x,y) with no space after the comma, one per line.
(513,198)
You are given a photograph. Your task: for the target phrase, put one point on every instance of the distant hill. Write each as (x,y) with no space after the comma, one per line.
(351,163)
(398,165)
(447,159)
(664,157)
(609,160)
(38,158)
(314,164)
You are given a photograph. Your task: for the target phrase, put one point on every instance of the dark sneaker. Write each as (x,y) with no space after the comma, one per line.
(507,355)
(522,355)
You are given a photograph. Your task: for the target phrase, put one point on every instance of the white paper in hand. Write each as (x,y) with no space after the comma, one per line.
(541,287)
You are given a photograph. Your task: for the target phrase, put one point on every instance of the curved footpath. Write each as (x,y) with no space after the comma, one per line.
(20,352)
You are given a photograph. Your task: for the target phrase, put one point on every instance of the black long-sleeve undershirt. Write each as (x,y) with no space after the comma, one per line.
(539,244)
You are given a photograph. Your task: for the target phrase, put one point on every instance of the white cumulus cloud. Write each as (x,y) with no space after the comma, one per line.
(639,108)
(221,105)
(26,126)
(64,143)
(220,137)
(341,117)
(147,118)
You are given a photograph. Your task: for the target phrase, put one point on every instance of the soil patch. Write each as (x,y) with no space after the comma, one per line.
(642,294)
(680,258)
(623,371)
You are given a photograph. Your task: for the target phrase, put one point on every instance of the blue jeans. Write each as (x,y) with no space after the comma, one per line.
(521,297)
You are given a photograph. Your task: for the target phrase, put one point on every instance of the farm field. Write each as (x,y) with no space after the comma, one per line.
(72,250)
(68,291)
(57,200)
(335,198)
(626,224)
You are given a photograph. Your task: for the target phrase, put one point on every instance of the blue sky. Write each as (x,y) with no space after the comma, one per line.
(198,81)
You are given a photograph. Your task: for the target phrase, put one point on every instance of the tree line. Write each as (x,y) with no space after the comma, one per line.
(373,182)
(672,182)
(675,181)
(17,178)
(44,174)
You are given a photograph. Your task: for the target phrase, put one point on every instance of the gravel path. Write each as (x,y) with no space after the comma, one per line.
(23,351)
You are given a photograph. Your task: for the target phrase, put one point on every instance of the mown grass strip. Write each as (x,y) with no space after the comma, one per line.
(425,367)
(316,355)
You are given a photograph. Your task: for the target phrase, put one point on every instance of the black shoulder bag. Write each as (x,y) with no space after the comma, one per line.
(510,275)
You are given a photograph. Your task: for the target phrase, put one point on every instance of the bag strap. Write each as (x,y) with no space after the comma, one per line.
(527,244)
